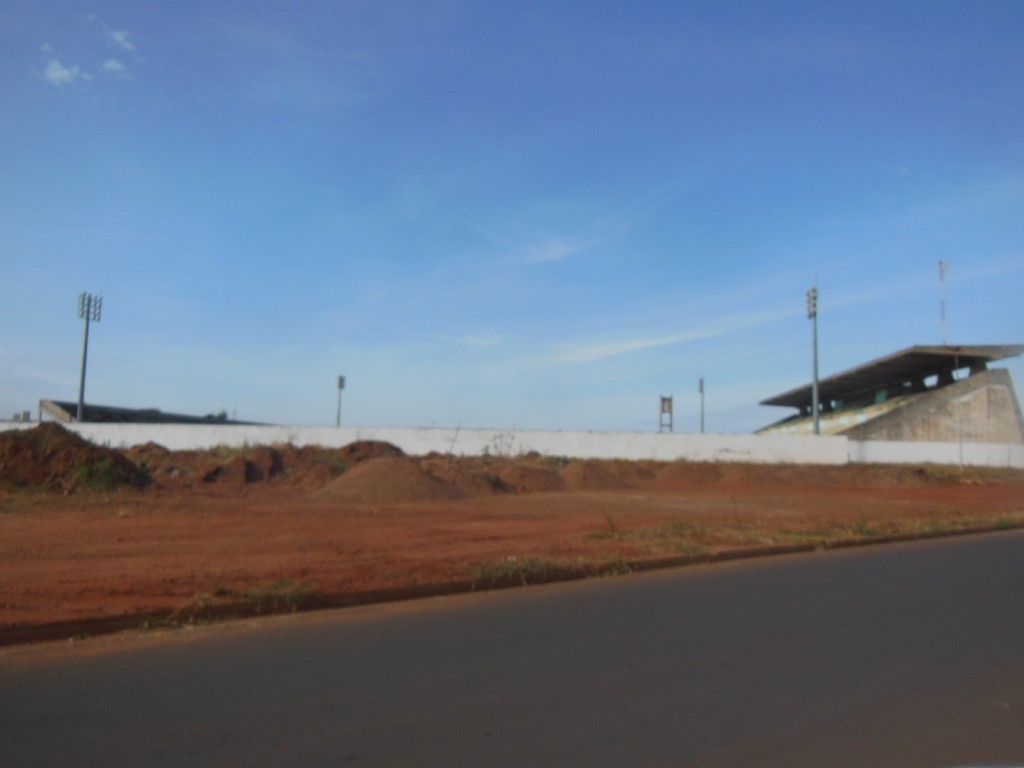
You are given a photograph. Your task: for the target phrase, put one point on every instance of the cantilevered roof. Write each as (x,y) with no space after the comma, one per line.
(67,412)
(912,364)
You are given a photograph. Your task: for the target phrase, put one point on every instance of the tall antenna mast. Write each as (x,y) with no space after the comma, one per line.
(943,266)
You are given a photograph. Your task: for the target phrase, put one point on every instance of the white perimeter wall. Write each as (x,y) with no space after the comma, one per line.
(965,454)
(591,445)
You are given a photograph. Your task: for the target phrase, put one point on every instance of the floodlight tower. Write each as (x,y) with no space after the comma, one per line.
(90,308)
(812,314)
(341,386)
(700,388)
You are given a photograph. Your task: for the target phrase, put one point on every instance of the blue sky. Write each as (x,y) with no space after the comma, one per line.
(500,214)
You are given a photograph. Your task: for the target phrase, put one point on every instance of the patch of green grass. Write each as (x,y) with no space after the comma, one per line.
(222,603)
(539,570)
(223,453)
(282,597)
(615,568)
(814,536)
(863,529)
(686,538)
(105,475)
(515,569)
(955,524)
(154,625)
(681,537)
(935,526)
(101,476)
(334,463)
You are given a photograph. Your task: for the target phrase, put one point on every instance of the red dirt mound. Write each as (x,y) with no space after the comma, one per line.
(253,466)
(307,467)
(52,458)
(472,476)
(591,476)
(364,450)
(686,473)
(520,477)
(310,466)
(146,452)
(388,480)
(682,474)
(236,471)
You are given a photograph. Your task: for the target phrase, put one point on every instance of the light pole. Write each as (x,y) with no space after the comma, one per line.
(812,313)
(89,308)
(341,386)
(700,387)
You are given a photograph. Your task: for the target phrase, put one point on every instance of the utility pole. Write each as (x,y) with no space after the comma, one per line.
(700,388)
(812,314)
(341,386)
(89,308)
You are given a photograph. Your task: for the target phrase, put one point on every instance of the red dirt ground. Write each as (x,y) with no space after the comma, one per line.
(93,539)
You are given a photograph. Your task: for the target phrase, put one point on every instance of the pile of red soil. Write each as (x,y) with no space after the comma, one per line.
(582,475)
(388,480)
(486,475)
(470,475)
(530,476)
(49,457)
(307,468)
(175,468)
(364,450)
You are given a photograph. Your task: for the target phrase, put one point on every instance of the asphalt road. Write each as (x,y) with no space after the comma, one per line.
(902,655)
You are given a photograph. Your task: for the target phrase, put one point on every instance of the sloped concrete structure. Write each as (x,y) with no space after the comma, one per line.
(914,395)
(980,409)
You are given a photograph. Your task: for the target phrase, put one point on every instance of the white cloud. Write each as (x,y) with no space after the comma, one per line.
(602,229)
(553,250)
(592,353)
(57,74)
(120,37)
(481,341)
(1010,265)
(469,340)
(114,67)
